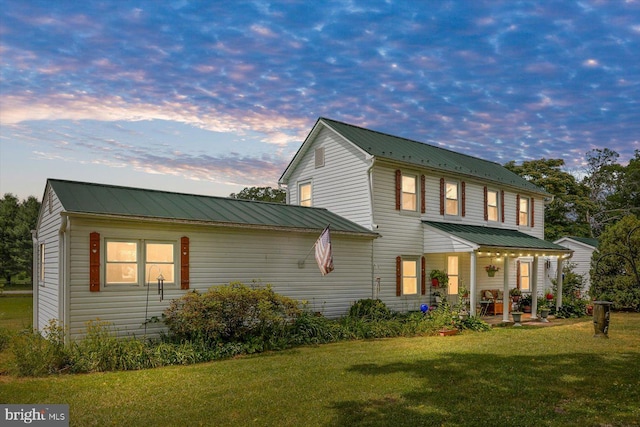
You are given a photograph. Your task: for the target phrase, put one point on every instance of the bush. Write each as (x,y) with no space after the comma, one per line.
(369,309)
(38,355)
(231,313)
(5,338)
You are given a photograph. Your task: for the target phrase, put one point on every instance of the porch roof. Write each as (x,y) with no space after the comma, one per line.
(489,238)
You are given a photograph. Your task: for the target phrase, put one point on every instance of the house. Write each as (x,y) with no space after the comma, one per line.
(583,248)
(433,209)
(100,249)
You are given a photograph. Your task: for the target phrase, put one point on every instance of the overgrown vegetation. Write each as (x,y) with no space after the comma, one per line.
(223,322)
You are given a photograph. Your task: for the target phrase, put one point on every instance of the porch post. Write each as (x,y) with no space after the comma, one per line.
(472,283)
(559,281)
(506,301)
(534,288)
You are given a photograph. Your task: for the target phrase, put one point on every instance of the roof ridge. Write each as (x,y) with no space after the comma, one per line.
(415,141)
(126,187)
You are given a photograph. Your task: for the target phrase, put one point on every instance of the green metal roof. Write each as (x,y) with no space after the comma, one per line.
(586,240)
(100,199)
(496,237)
(394,148)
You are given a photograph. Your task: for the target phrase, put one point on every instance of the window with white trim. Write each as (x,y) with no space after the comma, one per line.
(41,264)
(454,274)
(452,198)
(492,205)
(524,274)
(124,265)
(409,276)
(523,211)
(304,194)
(409,193)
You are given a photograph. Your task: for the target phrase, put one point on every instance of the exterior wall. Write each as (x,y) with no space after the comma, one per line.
(217,256)
(47,295)
(581,260)
(341,185)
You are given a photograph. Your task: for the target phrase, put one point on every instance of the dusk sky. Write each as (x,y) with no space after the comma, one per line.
(209,97)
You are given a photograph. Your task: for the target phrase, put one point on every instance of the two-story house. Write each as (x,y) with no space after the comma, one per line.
(433,209)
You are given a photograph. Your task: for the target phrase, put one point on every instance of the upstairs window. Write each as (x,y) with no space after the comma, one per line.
(492,205)
(452,199)
(523,211)
(409,193)
(305,194)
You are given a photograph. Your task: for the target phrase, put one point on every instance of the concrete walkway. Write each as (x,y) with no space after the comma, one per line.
(17,292)
(526,320)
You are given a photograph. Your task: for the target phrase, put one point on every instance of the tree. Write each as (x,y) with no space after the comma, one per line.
(17,219)
(262,194)
(615,266)
(566,214)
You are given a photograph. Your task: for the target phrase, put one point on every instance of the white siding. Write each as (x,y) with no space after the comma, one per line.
(219,256)
(581,260)
(341,185)
(48,304)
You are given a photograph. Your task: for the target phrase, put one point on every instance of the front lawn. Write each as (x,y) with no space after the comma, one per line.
(548,376)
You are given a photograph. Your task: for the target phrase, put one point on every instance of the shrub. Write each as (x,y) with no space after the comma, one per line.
(231,313)
(369,309)
(38,355)
(5,338)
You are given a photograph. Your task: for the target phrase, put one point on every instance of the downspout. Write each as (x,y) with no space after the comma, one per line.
(375,282)
(35,278)
(63,270)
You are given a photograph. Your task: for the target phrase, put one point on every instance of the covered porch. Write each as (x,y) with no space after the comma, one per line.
(519,259)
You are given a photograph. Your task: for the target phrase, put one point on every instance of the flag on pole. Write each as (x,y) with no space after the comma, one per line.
(324,257)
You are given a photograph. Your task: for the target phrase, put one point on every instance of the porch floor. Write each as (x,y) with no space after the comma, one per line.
(526,320)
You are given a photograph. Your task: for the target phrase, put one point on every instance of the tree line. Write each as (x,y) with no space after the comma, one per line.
(584,203)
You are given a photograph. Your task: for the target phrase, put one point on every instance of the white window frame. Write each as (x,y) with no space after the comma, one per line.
(523,215)
(490,208)
(452,184)
(410,281)
(409,201)
(529,265)
(453,272)
(305,202)
(41,264)
(143,269)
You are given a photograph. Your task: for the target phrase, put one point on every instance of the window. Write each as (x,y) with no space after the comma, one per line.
(524,274)
(409,277)
(409,193)
(523,211)
(452,198)
(319,157)
(41,266)
(123,266)
(305,194)
(492,205)
(454,274)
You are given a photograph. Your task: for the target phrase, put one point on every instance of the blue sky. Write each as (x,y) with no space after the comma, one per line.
(211,97)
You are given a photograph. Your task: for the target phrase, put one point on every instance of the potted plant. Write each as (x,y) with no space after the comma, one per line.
(544,312)
(515,294)
(439,278)
(525,303)
(548,295)
(491,269)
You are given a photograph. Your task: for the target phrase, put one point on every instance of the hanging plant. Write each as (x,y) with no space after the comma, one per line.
(491,269)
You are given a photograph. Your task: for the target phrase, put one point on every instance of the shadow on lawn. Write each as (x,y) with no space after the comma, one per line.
(480,389)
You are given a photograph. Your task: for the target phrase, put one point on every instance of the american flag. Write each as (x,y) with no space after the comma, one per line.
(323,252)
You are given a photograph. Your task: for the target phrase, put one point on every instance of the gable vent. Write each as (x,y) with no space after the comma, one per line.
(319,157)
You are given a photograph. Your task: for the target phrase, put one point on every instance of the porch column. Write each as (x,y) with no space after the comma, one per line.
(472,283)
(534,288)
(559,281)
(506,301)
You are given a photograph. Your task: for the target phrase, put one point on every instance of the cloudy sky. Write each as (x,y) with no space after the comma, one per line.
(209,97)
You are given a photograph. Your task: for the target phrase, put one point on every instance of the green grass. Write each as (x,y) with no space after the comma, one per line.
(16,311)
(551,376)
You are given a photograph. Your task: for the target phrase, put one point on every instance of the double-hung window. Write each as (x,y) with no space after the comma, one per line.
(127,261)
(304,194)
(452,199)
(492,205)
(523,211)
(524,275)
(409,276)
(409,193)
